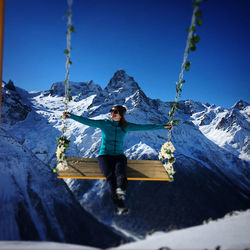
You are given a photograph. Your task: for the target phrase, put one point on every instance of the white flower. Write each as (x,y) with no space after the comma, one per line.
(169,146)
(59,152)
(62,166)
(160,156)
(169,169)
(167,153)
(63,143)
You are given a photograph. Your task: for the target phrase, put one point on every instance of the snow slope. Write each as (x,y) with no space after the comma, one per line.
(228,233)
(31,245)
(35,205)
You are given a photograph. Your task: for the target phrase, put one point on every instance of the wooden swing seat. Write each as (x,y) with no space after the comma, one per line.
(87,168)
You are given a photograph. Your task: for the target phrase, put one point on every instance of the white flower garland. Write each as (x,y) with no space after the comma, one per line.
(166,155)
(63,143)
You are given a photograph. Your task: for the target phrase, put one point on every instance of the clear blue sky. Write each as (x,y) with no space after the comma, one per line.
(144,37)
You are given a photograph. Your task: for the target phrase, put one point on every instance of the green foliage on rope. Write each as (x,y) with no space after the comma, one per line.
(192,41)
(63,141)
(166,154)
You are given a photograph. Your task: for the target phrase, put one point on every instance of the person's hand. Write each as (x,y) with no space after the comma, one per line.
(65,114)
(169,127)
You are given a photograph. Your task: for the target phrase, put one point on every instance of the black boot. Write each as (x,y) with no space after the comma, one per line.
(119,204)
(121,188)
(121,211)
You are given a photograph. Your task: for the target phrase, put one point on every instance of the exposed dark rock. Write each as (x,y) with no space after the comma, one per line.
(10,86)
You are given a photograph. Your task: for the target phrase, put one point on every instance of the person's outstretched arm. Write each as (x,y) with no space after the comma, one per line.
(84,120)
(144,127)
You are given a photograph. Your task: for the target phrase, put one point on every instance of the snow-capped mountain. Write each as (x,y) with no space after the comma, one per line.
(212,151)
(229,129)
(35,205)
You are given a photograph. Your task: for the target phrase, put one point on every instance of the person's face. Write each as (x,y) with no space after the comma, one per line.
(114,114)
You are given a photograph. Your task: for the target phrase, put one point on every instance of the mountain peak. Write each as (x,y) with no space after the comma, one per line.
(240,105)
(121,73)
(76,88)
(10,85)
(122,80)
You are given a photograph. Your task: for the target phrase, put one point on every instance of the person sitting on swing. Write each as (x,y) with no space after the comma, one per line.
(112,160)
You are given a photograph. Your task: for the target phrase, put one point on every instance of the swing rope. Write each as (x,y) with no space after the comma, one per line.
(68,63)
(185,65)
(63,141)
(188,44)
(166,155)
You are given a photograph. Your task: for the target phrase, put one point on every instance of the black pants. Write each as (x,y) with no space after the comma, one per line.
(114,169)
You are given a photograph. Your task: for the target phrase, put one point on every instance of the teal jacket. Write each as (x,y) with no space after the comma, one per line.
(113,135)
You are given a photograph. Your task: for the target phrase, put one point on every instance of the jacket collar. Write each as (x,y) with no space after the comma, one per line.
(114,123)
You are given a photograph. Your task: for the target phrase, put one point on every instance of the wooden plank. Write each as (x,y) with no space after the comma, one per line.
(129,173)
(102,178)
(95,168)
(87,168)
(132,163)
(94,160)
(132,175)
